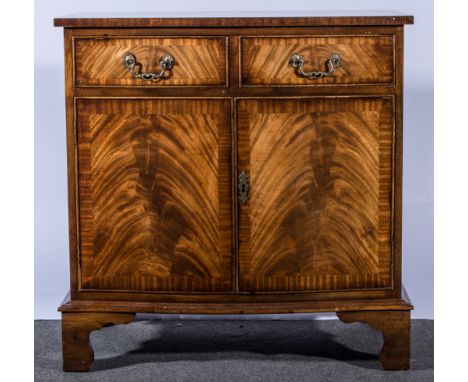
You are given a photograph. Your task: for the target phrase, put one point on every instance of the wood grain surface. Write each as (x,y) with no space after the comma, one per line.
(364,59)
(153,167)
(325,286)
(396,330)
(198,61)
(78,353)
(245,19)
(155,194)
(225,307)
(319,211)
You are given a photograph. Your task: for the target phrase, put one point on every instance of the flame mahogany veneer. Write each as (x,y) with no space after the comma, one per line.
(161,222)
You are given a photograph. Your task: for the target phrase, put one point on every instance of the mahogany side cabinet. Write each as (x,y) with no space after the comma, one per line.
(234,165)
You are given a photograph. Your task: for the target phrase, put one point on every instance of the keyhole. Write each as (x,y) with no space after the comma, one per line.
(243,188)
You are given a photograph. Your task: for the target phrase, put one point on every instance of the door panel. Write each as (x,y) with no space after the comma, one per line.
(155,194)
(318,215)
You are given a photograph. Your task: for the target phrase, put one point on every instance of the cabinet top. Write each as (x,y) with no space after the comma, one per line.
(232,19)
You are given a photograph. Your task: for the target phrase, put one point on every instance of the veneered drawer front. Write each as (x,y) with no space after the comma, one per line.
(363,60)
(199,61)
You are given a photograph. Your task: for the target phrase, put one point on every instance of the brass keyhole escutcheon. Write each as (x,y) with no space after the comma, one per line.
(243,187)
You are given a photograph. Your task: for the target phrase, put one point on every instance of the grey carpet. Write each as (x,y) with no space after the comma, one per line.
(235,350)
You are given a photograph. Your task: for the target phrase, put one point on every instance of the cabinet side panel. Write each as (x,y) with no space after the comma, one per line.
(71,165)
(398,164)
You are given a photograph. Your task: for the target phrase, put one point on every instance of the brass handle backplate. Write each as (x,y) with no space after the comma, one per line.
(166,63)
(243,187)
(297,61)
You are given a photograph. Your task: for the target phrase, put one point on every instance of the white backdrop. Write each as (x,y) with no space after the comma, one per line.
(51,222)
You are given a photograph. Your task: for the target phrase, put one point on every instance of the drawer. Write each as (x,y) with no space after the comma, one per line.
(190,61)
(366,59)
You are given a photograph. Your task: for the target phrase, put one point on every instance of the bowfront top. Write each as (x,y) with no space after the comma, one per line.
(232,19)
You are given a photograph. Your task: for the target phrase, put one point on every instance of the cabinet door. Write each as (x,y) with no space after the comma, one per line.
(154,194)
(318,215)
